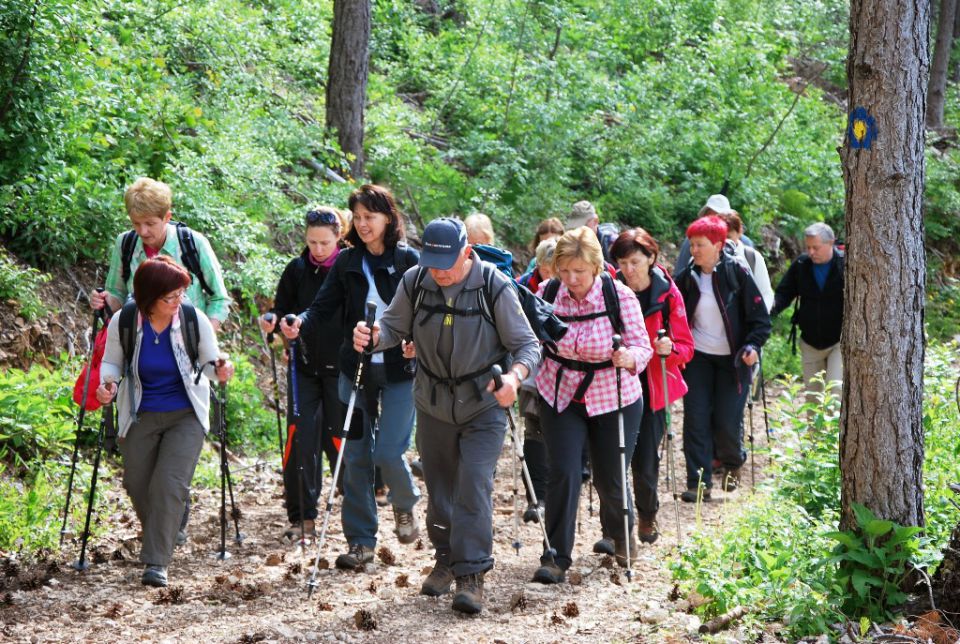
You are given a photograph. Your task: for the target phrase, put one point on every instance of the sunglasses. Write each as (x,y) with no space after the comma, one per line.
(322,217)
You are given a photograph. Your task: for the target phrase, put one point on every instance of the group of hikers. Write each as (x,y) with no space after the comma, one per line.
(421,339)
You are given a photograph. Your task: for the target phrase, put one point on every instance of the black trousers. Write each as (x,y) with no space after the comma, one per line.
(712,416)
(645,465)
(566,434)
(321,418)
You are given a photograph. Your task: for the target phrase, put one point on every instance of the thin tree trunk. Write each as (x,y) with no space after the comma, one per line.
(937,88)
(347,82)
(881,432)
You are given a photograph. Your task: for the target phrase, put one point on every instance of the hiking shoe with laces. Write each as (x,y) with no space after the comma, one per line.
(356,557)
(408,527)
(690,495)
(549,573)
(181,538)
(469,596)
(438,581)
(533,512)
(292,534)
(647,529)
(416,468)
(380,495)
(731,479)
(604,546)
(155,576)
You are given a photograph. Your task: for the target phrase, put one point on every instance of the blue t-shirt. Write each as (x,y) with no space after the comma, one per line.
(820,272)
(163,388)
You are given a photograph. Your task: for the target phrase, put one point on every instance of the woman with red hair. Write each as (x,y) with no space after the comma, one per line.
(729,323)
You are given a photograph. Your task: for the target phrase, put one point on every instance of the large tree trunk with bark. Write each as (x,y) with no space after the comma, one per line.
(881,442)
(347,77)
(937,88)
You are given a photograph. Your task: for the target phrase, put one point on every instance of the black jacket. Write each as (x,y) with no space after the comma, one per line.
(298,287)
(346,286)
(819,313)
(745,317)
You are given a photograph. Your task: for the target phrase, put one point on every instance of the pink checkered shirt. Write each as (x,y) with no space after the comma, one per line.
(592,341)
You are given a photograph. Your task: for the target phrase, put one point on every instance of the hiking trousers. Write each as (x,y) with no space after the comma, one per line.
(160,453)
(458,467)
(712,416)
(566,434)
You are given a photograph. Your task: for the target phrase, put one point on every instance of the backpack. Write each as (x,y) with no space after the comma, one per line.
(607,233)
(128,332)
(611,302)
(502,259)
(189,255)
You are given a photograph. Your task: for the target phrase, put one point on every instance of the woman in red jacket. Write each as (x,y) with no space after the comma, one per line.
(636,252)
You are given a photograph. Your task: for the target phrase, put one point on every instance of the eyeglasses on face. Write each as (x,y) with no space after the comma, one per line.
(322,217)
(174,297)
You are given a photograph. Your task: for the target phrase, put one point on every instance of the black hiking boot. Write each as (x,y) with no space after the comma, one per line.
(604,546)
(438,581)
(731,479)
(533,513)
(690,495)
(356,557)
(549,573)
(469,596)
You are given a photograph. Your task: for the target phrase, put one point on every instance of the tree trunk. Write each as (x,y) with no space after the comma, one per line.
(937,88)
(347,77)
(881,432)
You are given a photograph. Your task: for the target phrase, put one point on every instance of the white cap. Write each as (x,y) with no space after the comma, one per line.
(718,204)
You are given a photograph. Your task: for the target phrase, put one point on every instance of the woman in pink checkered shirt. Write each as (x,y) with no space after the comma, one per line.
(578,386)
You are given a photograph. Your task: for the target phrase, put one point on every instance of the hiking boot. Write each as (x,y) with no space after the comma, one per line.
(604,546)
(380,494)
(408,527)
(620,552)
(731,479)
(647,529)
(181,538)
(533,512)
(549,573)
(292,534)
(690,495)
(416,468)
(155,576)
(438,581)
(469,596)
(356,557)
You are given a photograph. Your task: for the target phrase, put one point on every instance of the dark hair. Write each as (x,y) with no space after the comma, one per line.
(155,278)
(734,223)
(376,199)
(633,240)
(550,226)
(712,227)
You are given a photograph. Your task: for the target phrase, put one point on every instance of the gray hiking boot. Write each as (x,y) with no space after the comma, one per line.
(549,573)
(181,537)
(155,576)
(469,597)
(438,581)
(356,557)
(408,527)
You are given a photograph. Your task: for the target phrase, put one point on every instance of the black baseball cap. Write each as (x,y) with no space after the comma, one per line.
(443,241)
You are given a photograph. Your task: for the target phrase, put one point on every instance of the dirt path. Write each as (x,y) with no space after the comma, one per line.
(259,593)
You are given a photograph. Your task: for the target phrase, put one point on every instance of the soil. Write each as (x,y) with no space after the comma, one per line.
(259,593)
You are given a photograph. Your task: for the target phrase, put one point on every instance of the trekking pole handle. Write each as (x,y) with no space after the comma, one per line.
(371,316)
(661,334)
(222,358)
(617,342)
(268,317)
(290,318)
(101,313)
(497,372)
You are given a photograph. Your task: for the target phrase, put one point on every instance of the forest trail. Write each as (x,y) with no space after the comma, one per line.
(259,593)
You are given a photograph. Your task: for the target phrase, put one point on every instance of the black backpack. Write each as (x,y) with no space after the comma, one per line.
(128,332)
(611,302)
(189,255)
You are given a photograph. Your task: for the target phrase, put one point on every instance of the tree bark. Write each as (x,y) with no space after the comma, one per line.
(936,92)
(881,431)
(347,77)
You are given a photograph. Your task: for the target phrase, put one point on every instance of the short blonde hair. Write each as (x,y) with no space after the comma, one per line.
(545,252)
(479,229)
(580,243)
(148,198)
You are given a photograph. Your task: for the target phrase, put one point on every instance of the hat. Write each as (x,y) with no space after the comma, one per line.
(718,204)
(581,213)
(443,240)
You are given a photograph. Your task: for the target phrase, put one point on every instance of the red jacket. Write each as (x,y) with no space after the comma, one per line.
(665,294)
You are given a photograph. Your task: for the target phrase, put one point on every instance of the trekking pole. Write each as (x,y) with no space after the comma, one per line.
(97,316)
(234,510)
(617,342)
(763,393)
(754,379)
(81,563)
(516,501)
(293,437)
(328,509)
(671,474)
(497,373)
(269,317)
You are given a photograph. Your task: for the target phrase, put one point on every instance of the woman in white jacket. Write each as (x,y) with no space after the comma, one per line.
(163,408)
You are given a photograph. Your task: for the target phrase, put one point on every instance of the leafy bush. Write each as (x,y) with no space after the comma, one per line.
(21,284)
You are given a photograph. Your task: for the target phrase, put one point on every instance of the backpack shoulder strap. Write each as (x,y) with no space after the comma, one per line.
(401,260)
(751,256)
(490,293)
(611,301)
(551,289)
(127,328)
(191,331)
(127,245)
(416,295)
(190,256)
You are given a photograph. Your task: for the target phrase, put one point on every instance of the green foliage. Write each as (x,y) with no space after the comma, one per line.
(22,285)
(251,426)
(872,562)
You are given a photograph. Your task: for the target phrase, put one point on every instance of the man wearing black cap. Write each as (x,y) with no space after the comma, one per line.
(464,317)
